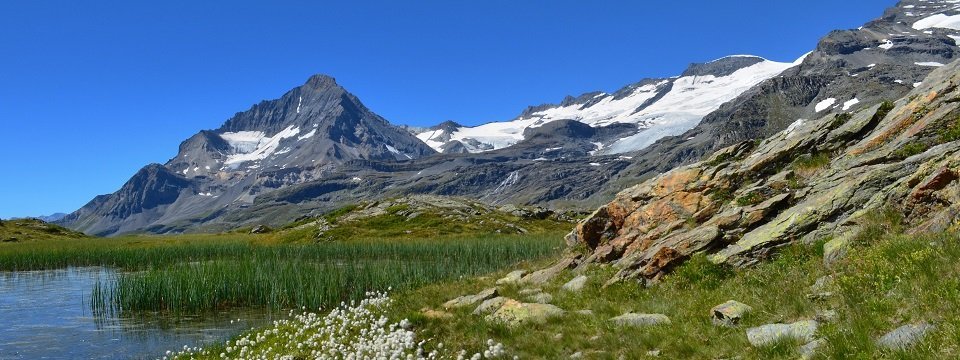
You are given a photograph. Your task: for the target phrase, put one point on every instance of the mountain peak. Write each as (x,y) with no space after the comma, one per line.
(319,81)
(723,66)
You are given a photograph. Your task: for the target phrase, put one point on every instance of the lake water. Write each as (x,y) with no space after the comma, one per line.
(47,315)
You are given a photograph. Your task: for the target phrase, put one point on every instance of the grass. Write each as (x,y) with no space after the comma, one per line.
(890,279)
(808,165)
(318,275)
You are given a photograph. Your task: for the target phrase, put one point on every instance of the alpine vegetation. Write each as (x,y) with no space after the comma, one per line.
(358,330)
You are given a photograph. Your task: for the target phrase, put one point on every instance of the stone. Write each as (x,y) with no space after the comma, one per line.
(835,250)
(261,229)
(826,316)
(512,277)
(633,319)
(515,313)
(653,353)
(575,285)
(543,276)
(729,313)
(771,333)
(823,284)
(906,336)
(490,305)
(809,350)
(531,291)
(436,314)
(577,355)
(541,298)
(468,300)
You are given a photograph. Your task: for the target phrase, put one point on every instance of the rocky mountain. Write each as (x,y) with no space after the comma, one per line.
(817,179)
(318,148)
(299,137)
(655,107)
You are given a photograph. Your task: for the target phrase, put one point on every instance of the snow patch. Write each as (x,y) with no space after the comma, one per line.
(917,84)
(298,104)
(942,21)
(253,145)
(594,164)
(395,151)
(307,135)
(689,99)
(849,103)
(929,63)
(886,44)
(825,104)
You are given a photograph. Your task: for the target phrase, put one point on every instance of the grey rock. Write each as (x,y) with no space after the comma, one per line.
(809,350)
(906,336)
(576,284)
(771,333)
(512,277)
(468,300)
(541,298)
(633,319)
(530,291)
(835,250)
(261,229)
(490,305)
(729,313)
(514,313)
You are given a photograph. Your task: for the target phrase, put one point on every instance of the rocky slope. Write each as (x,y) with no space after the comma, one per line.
(815,180)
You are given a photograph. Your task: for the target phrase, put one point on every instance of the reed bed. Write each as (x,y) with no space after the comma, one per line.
(198,278)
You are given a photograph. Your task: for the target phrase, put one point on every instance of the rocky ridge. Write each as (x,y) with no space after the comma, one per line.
(817,179)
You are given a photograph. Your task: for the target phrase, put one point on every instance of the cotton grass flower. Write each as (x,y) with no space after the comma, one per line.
(354,331)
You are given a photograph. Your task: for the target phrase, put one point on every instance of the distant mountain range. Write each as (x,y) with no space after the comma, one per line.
(318,147)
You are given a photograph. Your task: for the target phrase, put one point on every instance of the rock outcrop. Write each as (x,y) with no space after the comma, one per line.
(816,179)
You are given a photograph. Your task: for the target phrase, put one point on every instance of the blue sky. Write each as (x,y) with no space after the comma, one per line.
(91,91)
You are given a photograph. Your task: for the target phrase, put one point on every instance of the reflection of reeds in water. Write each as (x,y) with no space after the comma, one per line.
(287,276)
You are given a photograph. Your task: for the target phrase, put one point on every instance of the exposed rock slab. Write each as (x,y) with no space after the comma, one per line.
(729,313)
(772,333)
(906,336)
(515,313)
(640,320)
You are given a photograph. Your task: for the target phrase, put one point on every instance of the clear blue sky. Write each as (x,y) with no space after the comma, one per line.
(90,91)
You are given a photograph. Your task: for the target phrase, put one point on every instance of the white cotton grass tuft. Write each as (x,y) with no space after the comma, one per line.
(351,331)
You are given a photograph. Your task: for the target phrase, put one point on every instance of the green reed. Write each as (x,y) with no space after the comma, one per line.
(209,277)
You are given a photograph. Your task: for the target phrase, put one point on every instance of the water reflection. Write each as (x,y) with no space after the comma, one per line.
(47,315)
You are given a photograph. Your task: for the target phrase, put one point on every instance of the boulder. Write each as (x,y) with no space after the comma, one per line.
(729,313)
(906,336)
(531,291)
(490,305)
(771,333)
(633,319)
(514,313)
(541,298)
(436,314)
(540,277)
(512,277)
(261,229)
(835,250)
(576,284)
(468,300)
(809,350)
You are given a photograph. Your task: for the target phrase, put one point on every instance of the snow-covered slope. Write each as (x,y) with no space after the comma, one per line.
(658,107)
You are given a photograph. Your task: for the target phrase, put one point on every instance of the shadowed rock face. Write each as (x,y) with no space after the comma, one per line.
(748,199)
